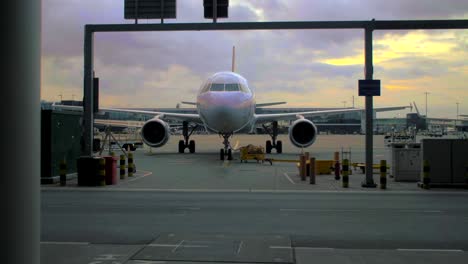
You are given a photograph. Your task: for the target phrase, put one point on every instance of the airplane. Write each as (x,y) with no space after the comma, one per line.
(226,105)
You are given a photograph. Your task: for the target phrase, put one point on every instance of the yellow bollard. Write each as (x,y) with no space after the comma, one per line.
(63,172)
(122,167)
(426,171)
(302,167)
(102,172)
(130,164)
(306,155)
(383,174)
(345,173)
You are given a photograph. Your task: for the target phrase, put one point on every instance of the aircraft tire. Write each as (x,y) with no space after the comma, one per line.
(221,154)
(192,146)
(229,154)
(279,147)
(268,146)
(181,146)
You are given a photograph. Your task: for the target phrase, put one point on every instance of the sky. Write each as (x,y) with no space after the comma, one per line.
(306,68)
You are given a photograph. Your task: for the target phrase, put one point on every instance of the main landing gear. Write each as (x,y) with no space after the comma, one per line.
(187,143)
(273,144)
(227,151)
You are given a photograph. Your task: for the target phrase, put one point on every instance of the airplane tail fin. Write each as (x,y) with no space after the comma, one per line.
(233,66)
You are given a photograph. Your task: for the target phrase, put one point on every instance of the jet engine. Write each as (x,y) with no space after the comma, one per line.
(155,133)
(302,133)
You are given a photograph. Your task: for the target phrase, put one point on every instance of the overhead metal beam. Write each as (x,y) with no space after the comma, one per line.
(286,25)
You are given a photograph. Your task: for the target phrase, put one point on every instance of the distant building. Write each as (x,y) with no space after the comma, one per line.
(343,123)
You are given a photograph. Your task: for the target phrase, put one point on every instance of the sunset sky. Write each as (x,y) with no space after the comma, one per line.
(306,68)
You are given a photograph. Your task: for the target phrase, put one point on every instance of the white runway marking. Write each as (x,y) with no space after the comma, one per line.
(315,248)
(429,250)
(189,208)
(64,243)
(280,247)
(239,248)
(173,245)
(289,179)
(175,249)
(423,211)
(317,210)
(146,173)
(126,189)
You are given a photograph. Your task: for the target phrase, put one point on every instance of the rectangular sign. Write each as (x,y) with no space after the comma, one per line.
(369,87)
(222,9)
(149,9)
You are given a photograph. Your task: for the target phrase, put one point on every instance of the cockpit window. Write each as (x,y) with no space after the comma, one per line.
(243,88)
(206,88)
(232,87)
(217,87)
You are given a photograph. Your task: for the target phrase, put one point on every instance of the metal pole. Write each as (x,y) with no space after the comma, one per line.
(215,11)
(456,119)
(426,102)
(88,115)
(369,70)
(20,183)
(136,11)
(162,11)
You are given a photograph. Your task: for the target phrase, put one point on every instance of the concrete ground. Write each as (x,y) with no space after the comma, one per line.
(144,226)
(194,208)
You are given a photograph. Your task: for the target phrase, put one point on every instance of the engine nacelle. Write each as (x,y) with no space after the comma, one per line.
(302,133)
(155,133)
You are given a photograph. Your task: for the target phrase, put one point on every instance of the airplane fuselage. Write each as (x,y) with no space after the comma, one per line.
(226,104)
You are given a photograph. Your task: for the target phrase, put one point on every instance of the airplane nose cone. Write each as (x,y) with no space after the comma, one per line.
(225,113)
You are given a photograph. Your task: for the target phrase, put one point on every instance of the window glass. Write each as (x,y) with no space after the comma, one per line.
(205,88)
(243,88)
(232,87)
(217,87)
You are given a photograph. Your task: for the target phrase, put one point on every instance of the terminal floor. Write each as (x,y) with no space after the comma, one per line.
(144,226)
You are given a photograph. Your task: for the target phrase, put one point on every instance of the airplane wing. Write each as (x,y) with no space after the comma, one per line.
(119,123)
(265,118)
(189,103)
(195,118)
(269,104)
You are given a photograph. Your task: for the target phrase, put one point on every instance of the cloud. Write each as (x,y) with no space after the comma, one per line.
(304,67)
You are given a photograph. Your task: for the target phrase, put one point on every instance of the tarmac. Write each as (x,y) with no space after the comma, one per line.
(164,171)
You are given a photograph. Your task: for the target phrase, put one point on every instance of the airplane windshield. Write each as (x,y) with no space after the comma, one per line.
(217,87)
(232,87)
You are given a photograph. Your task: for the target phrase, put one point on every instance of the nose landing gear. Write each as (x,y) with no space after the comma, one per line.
(187,143)
(227,151)
(273,144)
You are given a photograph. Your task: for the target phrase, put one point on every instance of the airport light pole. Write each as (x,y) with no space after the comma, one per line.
(456,119)
(426,93)
(369,72)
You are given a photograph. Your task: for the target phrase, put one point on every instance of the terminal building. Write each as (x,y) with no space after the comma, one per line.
(343,123)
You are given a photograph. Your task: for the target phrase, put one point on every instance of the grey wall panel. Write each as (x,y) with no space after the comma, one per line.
(438,153)
(459,160)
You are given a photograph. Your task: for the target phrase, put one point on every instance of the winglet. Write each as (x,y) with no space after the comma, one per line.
(233,66)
